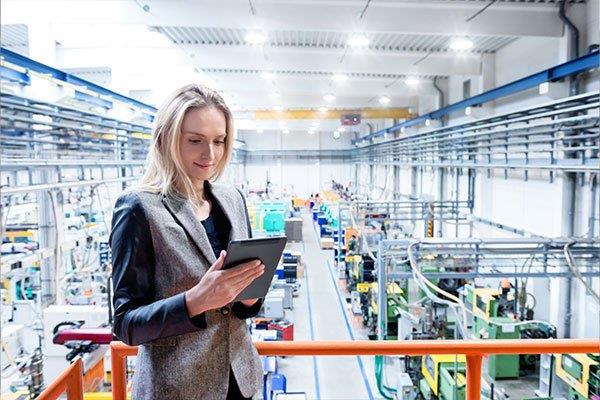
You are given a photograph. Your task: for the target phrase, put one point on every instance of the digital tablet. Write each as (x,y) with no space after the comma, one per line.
(268,250)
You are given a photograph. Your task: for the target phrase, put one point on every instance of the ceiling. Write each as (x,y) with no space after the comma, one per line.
(150,46)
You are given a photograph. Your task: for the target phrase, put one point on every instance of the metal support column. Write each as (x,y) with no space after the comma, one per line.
(381,295)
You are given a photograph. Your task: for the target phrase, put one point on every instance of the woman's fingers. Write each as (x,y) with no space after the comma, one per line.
(242,269)
(247,280)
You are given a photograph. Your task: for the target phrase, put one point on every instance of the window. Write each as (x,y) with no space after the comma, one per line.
(466,89)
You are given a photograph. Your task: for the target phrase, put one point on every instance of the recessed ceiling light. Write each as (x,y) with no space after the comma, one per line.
(336,134)
(411,80)
(278,108)
(384,100)
(340,77)
(267,75)
(286,131)
(342,129)
(323,109)
(275,95)
(255,38)
(329,97)
(427,122)
(358,40)
(461,44)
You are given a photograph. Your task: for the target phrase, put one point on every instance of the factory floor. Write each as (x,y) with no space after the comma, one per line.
(322,313)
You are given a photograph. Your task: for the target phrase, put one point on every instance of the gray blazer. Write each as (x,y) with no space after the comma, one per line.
(160,250)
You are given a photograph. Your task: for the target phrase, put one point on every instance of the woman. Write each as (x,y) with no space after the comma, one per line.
(168,238)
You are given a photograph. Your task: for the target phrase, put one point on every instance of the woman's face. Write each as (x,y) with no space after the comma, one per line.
(202,142)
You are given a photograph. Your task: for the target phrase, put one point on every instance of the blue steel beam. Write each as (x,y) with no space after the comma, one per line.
(14,76)
(28,63)
(587,62)
(93,100)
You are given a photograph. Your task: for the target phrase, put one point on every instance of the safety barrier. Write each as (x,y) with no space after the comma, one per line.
(70,381)
(474,350)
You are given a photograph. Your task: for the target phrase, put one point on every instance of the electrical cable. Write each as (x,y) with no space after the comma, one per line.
(575,271)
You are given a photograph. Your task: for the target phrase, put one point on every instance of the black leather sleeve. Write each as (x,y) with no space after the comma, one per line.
(139,317)
(238,308)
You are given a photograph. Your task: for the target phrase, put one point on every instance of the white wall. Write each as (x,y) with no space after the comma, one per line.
(299,177)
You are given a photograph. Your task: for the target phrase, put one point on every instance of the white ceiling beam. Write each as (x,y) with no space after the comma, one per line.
(341,16)
(328,60)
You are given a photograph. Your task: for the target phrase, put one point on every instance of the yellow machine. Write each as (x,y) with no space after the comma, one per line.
(576,370)
(435,369)
(482,301)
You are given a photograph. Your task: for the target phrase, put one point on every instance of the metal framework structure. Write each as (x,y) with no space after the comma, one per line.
(561,135)
(486,258)
(572,67)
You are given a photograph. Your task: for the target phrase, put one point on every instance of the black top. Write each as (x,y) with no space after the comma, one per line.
(217,227)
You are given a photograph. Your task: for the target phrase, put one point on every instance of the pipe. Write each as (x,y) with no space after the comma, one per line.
(592,218)
(574,45)
(442,101)
(570,178)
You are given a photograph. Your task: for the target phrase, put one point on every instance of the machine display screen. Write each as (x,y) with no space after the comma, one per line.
(572,367)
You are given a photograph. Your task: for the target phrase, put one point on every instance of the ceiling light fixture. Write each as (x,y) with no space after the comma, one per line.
(278,108)
(267,75)
(323,109)
(329,97)
(384,100)
(342,129)
(340,77)
(358,40)
(461,44)
(255,38)
(412,81)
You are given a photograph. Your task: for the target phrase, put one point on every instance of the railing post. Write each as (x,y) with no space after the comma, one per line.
(118,376)
(75,381)
(473,377)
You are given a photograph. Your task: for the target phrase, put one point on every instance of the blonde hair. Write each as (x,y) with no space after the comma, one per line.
(164,169)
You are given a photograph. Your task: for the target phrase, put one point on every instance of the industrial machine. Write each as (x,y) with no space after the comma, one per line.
(395,300)
(495,312)
(581,372)
(443,377)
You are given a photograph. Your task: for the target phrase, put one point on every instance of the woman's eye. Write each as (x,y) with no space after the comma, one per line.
(220,142)
(195,141)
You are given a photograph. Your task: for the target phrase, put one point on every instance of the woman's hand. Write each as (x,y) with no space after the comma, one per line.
(218,287)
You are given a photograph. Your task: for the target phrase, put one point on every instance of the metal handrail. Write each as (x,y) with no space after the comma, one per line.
(474,350)
(69,381)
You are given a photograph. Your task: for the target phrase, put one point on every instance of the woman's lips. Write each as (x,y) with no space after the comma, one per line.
(203,166)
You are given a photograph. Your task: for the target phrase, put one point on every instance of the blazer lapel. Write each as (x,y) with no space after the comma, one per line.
(230,208)
(184,215)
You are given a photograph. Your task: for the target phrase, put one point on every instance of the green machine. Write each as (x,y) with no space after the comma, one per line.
(443,377)
(395,296)
(581,372)
(507,365)
(490,321)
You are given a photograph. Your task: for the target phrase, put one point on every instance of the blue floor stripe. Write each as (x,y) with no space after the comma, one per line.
(312,330)
(350,332)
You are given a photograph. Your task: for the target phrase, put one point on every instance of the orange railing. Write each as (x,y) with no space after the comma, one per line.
(474,350)
(70,381)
